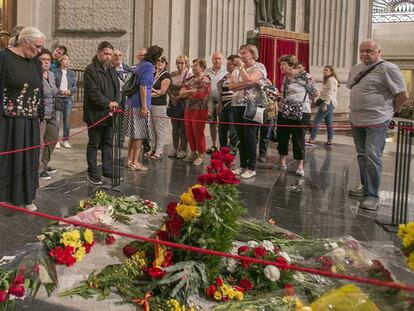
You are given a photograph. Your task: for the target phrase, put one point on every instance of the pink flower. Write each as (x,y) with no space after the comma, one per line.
(3,295)
(16,290)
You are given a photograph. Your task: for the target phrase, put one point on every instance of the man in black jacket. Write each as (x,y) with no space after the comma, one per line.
(101,96)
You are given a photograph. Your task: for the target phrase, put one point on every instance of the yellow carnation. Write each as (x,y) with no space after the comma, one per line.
(238,295)
(408,239)
(71,238)
(187,198)
(88,236)
(410,261)
(188,212)
(217,295)
(231,293)
(80,253)
(174,305)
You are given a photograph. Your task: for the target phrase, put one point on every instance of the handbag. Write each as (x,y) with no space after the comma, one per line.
(319,102)
(292,111)
(177,110)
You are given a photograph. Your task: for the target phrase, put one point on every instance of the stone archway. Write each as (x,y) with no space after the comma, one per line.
(7,20)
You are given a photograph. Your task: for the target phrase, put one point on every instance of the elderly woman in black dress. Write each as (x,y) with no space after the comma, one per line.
(21,84)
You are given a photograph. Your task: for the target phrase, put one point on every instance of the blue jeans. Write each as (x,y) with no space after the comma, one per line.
(328,116)
(67,111)
(369,145)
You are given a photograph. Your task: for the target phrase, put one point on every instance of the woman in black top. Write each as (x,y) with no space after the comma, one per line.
(21,97)
(162,81)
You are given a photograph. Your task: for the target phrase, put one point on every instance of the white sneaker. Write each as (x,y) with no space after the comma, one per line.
(31,207)
(370,204)
(57,145)
(66,144)
(248,174)
(358,192)
(239,171)
(181,155)
(300,172)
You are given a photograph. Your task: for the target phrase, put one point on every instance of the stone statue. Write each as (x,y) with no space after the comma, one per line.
(269,13)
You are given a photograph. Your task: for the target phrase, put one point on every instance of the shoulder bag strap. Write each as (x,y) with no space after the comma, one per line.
(364,73)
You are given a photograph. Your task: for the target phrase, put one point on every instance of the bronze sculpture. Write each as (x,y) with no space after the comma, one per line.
(269,13)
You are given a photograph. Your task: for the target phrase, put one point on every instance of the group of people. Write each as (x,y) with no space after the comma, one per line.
(34,82)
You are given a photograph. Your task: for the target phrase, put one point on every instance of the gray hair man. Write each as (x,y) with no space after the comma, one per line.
(377,91)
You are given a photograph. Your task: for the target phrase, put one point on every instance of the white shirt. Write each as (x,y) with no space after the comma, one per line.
(64,82)
(215,78)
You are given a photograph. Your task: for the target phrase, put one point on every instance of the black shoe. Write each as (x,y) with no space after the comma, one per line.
(95,180)
(51,170)
(44,176)
(211,150)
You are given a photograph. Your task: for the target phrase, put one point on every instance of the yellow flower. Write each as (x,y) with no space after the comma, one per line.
(71,238)
(174,305)
(188,199)
(224,288)
(88,236)
(217,295)
(231,293)
(408,239)
(80,253)
(238,295)
(188,212)
(410,261)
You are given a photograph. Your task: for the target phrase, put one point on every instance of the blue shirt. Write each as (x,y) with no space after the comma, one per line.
(145,77)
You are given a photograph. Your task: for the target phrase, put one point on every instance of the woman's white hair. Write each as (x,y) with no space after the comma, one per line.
(29,34)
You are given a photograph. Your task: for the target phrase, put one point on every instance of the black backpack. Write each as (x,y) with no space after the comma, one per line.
(130,84)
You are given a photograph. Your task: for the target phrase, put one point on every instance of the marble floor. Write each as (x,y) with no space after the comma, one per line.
(316,205)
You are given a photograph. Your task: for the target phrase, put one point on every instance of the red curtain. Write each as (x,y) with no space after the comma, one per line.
(303,54)
(283,46)
(266,55)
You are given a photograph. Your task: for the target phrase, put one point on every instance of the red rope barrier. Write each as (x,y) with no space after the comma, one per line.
(55,141)
(329,274)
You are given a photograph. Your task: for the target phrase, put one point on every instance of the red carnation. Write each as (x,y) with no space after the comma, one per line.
(156,273)
(282,262)
(246,264)
(216,165)
(88,246)
(246,284)
(259,251)
(201,194)
(174,226)
(219,281)
(207,179)
(211,290)
(16,290)
(171,209)
(110,240)
(163,235)
(242,249)
(3,295)
(227,177)
(217,156)
(129,250)
(238,288)
(228,159)
(225,150)
(289,290)
(19,279)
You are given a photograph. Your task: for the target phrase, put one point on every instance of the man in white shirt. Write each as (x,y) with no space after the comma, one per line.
(216,73)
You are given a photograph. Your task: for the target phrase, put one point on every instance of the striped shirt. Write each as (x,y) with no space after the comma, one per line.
(225,94)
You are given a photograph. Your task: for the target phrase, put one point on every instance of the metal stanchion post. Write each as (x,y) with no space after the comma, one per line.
(401,177)
(116,150)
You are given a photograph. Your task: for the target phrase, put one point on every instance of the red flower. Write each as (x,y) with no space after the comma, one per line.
(110,240)
(245,264)
(242,249)
(156,273)
(246,284)
(282,262)
(259,251)
(219,281)
(225,150)
(228,159)
(149,204)
(174,226)
(16,290)
(227,177)
(171,209)
(207,179)
(217,156)
(22,268)
(289,290)
(36,268)
(325,262)
(163,235)
(88,246)
(19,279)
(240,289)
(201,194)
(3,295)
(129,250)
(211,290)
(216,165)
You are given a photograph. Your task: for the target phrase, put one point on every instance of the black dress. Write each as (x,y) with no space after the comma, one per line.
(20,93)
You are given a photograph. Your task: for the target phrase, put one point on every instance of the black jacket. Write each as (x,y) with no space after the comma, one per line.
(97,99)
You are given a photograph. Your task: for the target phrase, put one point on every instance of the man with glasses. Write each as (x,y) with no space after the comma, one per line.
(377,91)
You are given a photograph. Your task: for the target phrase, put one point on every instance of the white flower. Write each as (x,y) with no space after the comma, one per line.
(41,237)
(326,246)
(338,253)
(272,273)
(268,245)
(333,245)
(252,244)
(286,256)
(232,265)
(106,219)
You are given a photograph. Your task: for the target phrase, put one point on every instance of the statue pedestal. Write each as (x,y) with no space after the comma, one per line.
(253,37)
(274,43)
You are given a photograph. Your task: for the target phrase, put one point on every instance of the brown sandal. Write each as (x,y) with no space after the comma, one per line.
(156,156)
(138,167)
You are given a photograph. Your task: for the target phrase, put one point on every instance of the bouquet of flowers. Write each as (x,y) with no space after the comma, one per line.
(406,234)
(224,292)
(67,246)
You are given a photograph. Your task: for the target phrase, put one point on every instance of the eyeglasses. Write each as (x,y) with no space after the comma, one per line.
(44,59)
(180,63)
